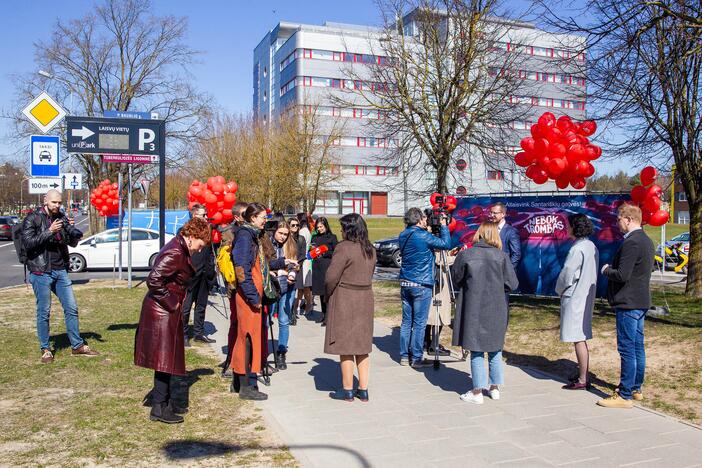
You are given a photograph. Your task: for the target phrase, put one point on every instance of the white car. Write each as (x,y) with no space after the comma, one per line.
(101,250)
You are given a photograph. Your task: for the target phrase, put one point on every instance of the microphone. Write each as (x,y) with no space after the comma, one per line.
(317,252)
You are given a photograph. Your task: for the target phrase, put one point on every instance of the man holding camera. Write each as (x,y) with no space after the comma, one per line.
(417,245)
(46,235)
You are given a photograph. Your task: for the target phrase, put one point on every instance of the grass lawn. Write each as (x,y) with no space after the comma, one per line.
(85,411)
(673,346)
(378,228)
(671,230)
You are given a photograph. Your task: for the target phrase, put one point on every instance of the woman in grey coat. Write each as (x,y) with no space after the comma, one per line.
(482,275)
(577,286)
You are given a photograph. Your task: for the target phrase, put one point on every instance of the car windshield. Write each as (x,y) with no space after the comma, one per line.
(5,221)
(684,237)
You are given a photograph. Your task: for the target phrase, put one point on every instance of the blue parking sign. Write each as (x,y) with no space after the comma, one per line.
(44,151)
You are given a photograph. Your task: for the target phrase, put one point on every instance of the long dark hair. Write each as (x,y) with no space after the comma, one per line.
(354,229)
(252,210)
(324,221)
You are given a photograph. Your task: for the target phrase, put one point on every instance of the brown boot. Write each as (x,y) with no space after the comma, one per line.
(47,357)
(84,350)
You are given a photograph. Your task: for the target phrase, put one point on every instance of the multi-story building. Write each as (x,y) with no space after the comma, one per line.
(679,207)
(298,64)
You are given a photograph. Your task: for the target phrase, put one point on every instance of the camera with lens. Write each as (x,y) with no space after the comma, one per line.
(71,234)
(438,212)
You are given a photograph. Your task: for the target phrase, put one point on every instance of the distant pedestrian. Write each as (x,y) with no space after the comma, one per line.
(482,276)
(46,235)
(304,278)
(159,341)
(323,236)
(629,292)
(577,287)
(349,290)
(301,247)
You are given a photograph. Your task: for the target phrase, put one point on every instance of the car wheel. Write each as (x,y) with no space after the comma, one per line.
(397,258)
(152,260)
(76,263)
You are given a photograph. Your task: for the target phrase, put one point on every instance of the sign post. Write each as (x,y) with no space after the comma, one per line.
(129,228)
(120,218)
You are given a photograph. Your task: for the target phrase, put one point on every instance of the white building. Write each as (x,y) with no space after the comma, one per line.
(298,64)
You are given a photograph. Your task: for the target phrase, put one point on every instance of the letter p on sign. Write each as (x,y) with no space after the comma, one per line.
(146,139)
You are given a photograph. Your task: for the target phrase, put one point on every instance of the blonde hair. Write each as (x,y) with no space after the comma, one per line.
(488,233)
(630,211)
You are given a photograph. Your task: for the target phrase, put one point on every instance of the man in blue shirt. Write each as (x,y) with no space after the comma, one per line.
(416,282)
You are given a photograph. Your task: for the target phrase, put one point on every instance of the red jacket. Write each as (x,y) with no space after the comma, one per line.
(159,336)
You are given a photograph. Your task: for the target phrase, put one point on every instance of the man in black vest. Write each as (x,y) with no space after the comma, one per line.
(629,293)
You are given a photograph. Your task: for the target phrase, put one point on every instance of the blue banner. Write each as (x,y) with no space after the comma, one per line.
(148,219)
(542,224)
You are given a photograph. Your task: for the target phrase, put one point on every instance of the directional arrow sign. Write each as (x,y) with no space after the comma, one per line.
(72,181)
(82,132)
(40,186)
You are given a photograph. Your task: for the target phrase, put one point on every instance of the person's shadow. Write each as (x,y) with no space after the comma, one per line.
(61,340)
(389,344)
(180,387)
(327,375)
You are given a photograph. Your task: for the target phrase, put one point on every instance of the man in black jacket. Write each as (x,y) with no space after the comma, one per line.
(200,284)
(46,235)
(629,293)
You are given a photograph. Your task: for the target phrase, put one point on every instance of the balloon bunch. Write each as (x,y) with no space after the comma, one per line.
(648,197)
(444,204)
(559,149)
(105,198)
(218,197)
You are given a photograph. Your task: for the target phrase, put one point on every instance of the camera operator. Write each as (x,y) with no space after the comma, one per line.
(417,245)
(46,235)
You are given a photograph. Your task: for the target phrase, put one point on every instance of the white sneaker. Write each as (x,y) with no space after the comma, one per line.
(494,394)
(470,397)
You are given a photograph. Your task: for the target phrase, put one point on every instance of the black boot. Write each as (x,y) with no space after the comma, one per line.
(247,392)
(177,409)
(280,363)
(235,386)
(162,412)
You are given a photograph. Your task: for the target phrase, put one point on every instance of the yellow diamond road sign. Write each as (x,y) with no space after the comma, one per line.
(44,112)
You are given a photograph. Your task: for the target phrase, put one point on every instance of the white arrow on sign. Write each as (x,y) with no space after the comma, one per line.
(82,132)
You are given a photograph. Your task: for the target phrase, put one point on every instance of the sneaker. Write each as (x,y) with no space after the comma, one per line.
(404,361)
(280,363)
(615,401)
(47,357)
(84,350)
(442,351)
(637,395)
(475,398)
(494,394)
(421,363)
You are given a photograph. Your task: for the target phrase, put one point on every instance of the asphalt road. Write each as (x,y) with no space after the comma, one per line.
(12,271)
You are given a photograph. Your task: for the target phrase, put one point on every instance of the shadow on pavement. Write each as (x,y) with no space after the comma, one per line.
(389,344)
(192,449)
(326,374)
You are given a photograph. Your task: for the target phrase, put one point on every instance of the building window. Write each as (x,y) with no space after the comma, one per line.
(337,83)
(361,170)
(338,56)
(336,112)
(380,170)
(580,105)
(357,113)
(307,54)
(683,217)
(682,196)
(361,141)
(328,203)
(354,202)
(495,175)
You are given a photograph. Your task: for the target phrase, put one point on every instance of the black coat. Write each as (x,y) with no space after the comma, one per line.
(36,238)
(630,273)
(321,264)
(481,276)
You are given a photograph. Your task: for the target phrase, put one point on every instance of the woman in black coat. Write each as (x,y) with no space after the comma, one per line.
(481,276)
(323,236)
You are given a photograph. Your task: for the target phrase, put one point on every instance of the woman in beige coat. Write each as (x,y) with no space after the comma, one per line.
(348,283)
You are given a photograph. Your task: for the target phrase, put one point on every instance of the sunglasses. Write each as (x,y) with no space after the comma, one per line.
(294,225)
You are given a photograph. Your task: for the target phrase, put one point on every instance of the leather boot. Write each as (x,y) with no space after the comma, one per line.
(235,386)
(162,412)
(280,364)
(247,392)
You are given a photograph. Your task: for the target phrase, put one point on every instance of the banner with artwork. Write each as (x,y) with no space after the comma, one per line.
(542,224)
(148,219)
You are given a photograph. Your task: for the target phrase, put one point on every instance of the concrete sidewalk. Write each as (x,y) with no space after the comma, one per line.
(415,418)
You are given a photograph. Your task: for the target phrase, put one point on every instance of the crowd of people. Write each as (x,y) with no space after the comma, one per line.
(280,265)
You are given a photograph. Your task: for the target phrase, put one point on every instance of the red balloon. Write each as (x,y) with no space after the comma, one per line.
(645,216)
(218,188)
(562,182)
(229,199)
(578,183)
(530,171)
(581,168)
(451,203)
(598,151)
(638,194)
(105,208)
(228,215)
(547,120)
(652,204)
(541,146)
(589,127)
(590,170)
(527,144)
(210,198)
(220,180)
(521,159)
(536,131)
(97,192)
(210,182)
(556,150)
(220,205)
(195,191)
(582,140)
(231,186)
(654,191)
(432,198)
(216,236)
(659,218)
(556,166)
(540,176)
(569,138)
(452,225)
(554,135)
(576,153)
(216,218)
(564,123)
(648,175)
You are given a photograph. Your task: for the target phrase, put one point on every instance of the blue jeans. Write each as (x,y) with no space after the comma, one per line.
(58,282)
(477,368)
(284,309)
(416,302)
(630,344)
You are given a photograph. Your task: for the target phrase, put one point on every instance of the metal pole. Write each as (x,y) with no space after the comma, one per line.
(663,246)
(129,228)
(120,221)
(162,186)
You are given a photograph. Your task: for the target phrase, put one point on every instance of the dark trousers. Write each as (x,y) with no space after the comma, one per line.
(162,388)
(200,291)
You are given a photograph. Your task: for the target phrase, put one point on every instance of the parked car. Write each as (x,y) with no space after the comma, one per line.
(6,223)
(100,250)
(388,252)
(682,239)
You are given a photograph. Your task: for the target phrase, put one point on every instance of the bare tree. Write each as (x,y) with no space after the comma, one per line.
(442,89)
(645,72)
(12,180)
(119,57)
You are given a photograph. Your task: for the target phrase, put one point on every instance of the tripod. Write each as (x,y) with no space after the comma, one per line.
(437,302)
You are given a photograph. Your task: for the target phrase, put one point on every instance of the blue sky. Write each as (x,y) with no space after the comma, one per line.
(225,31)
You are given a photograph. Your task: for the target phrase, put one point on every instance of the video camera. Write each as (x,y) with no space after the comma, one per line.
(441,208)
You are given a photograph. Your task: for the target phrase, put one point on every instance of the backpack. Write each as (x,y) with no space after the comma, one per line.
(17,231)
(225,264)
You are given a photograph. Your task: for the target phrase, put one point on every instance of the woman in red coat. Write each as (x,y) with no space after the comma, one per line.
(159,336)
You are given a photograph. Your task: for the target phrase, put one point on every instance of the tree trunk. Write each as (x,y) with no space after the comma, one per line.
(694,266)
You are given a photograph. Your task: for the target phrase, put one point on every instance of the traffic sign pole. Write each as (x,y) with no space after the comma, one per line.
(162,186)
(129,228)
(120,218)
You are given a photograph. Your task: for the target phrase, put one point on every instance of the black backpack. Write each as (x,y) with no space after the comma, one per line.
(17,231)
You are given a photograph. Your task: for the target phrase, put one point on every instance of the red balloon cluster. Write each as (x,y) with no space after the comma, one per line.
(446,203)
(559,149)
(648,197)
(105,198)
(217,196)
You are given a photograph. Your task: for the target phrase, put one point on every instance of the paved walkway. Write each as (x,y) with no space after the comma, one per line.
(415,418)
